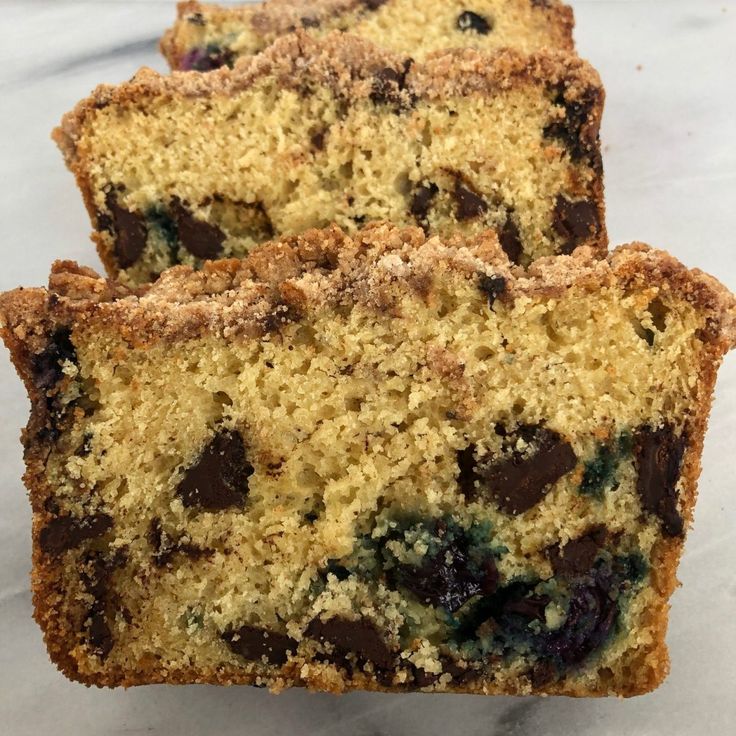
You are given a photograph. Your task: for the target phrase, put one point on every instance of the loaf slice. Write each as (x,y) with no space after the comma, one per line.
(381,462)
(206,37)
(314,131)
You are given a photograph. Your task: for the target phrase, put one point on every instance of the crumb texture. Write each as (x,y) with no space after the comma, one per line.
(333,130)
(378,461)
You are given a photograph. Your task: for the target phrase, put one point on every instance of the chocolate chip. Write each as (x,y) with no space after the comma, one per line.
(448,578)
(254,643)
(422,678)
(196,19)
(658,454)
(129,229)
(68,532)
(373,4)
(575,222)
(469,204)
(359,637)
(96,573)
(470,21)
(421,201)
(492,287)
(510,240)
(531,607)
(206,59)
(578,131)
(543,673)
(317,139)
(578,555)
(521,481)
(201,239)
(218,480)
(389,87)
(310,22)
(466,471)
(165,546)
(46,366)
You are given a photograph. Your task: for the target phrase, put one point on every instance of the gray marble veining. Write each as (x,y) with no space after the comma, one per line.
(671,180)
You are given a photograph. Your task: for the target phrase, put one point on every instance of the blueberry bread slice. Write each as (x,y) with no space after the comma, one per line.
(206,37)
(191,167)
(376,461)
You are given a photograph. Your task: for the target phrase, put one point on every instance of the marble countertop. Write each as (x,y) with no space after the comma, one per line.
(670,157)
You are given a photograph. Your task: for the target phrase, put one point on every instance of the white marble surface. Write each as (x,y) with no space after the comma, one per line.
(671,180)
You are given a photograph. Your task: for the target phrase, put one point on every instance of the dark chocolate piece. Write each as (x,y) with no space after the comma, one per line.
(521,481)
(578,555)
(47,365)
(206,59)
(68,532)
(468,204)
(129,229)
(201,239)
(659,455)
(449,578)
(389,87)
(421,202)
(578,131)
(492,287)
(574,222)
(359,637)
(218,480)
(510,240)
(467,475)
(254,643)
(470,21)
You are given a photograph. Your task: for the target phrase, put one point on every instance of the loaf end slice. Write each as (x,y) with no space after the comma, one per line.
(375,461)
(206,37)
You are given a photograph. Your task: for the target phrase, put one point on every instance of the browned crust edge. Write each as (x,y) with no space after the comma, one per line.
(282,17)
(348,64)
(290,270)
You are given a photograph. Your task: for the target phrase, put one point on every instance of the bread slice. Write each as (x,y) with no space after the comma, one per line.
(377,461)
(206,37)
(315,131)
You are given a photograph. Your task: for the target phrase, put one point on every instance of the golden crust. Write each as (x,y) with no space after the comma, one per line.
(280,17)
(314,271)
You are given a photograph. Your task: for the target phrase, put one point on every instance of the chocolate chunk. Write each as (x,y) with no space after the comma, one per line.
(470,21)
(373,4)
(47,365)
(658,454)
(449,578)
(253,643)
(466,466)
(575,222)
(492,287)
(543,673)
(129,229)
(521,481)
(510,240)
(531,607)
(422,678)
(317,139)
(196,19)
(359,637)
(218,480)
(469,204)
(99,634)
(206,59)
(96,573)
(578,131)
(200,238)
(310,22)
(421,201)
(578,555)
(68,532)
(166,546)
(389,87)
